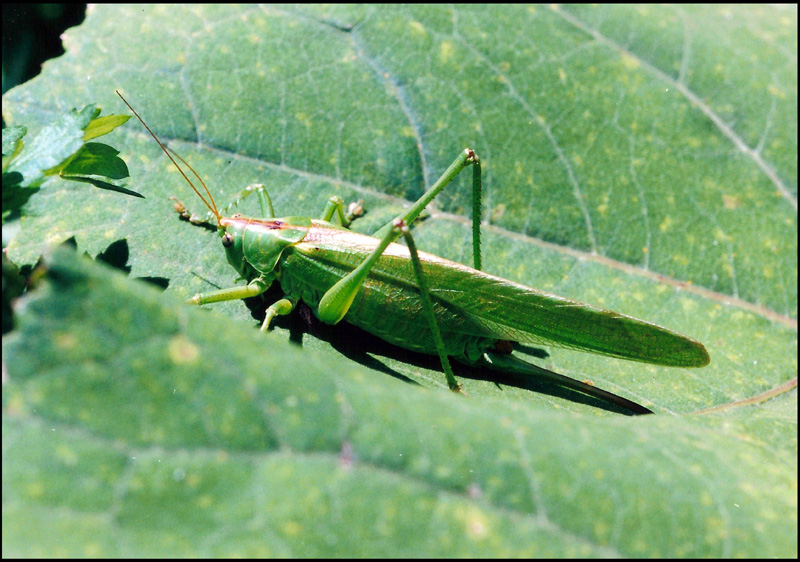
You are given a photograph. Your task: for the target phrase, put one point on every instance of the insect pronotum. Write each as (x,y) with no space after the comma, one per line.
(416,300)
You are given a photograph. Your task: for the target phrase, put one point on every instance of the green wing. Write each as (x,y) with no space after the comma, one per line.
(518,313)
(483,305)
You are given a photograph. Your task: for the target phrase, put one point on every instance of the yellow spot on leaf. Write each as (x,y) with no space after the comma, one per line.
(66,341)
(477,524)
(562,75)
(417,28)
(16,403)
(601,528)
(771,244)
(776,92)
(66,455)
(680,259)
(666,224)
(731,202)
(292,528)
(182,351)
(446,50)
(498,212)
(35,489)
(688,305)
(631,63)
(192,480)
(720,235)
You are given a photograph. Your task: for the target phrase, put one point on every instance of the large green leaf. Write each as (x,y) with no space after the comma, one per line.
(134,426)
(641,159)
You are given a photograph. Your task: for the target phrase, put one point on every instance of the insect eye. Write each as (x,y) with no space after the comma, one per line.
(227,239)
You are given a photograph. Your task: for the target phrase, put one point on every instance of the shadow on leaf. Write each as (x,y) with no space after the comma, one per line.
(366,349)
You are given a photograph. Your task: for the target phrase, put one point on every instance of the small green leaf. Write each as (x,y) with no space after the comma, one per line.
(96,158)
(103,125)
(53,145)
(61,149)
(97,163)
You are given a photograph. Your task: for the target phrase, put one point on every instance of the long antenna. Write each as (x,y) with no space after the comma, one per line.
(212,206)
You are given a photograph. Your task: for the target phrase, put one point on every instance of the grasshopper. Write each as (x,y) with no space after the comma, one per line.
(416,300)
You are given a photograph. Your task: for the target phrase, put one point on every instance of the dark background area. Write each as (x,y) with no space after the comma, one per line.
(32,35)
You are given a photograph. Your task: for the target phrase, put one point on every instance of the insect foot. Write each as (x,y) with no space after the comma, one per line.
(180,208)
(355,210)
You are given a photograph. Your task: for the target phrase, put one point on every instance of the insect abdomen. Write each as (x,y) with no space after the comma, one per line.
(388,304)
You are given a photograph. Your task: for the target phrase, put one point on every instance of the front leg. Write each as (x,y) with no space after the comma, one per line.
(252,289)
